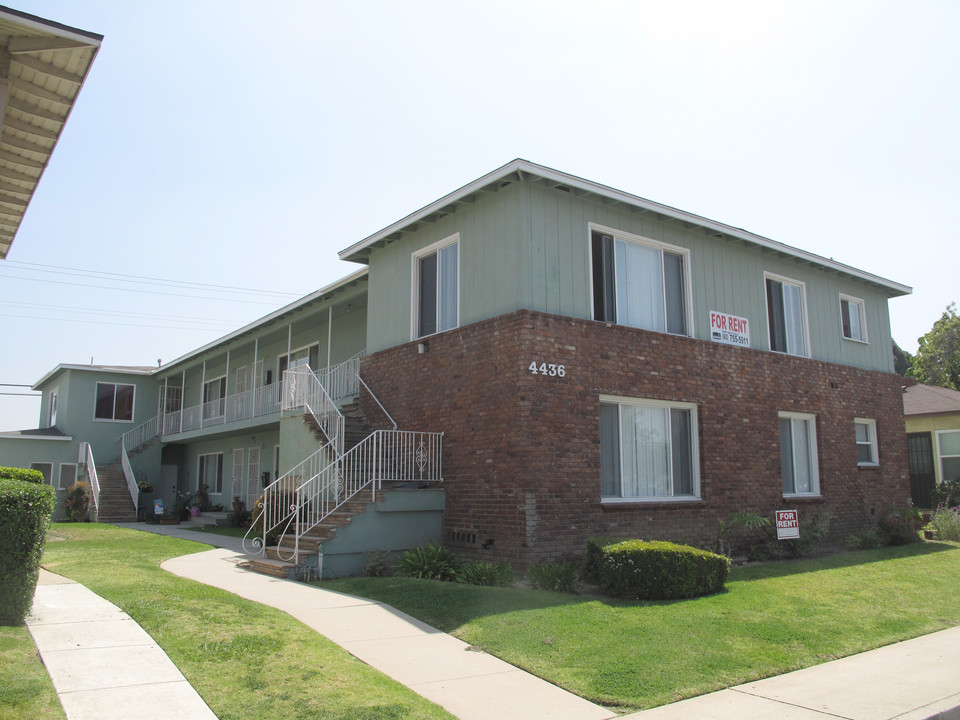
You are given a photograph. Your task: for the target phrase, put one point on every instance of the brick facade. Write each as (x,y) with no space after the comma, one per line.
(522,450)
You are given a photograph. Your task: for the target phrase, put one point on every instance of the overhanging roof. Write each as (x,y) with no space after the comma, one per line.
(525,170)
(121,369)
(43,65)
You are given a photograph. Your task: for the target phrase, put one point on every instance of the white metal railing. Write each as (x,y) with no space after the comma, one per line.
(308,494)
(341,381)
(302,390)
(253,403)
(132,439)
(86,459)
(130,478)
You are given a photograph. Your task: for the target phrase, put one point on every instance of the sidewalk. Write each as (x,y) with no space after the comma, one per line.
(914,680)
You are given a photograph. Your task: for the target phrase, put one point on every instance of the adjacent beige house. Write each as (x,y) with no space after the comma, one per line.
(933,438)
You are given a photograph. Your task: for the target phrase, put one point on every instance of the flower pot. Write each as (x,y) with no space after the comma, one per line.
(194,511)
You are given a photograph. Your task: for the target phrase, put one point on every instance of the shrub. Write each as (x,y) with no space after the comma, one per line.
(661,570)
(813,531)
(22,474)
(431,562)
(900,526)
(868,539)
(593,557)
(77,502)
(945,523)
(25,509)
(495,574)
(376,564)
(946,493)
(557,577)
(743,520)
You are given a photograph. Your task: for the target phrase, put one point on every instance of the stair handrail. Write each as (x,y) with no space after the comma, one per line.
(131,479)
(86,459)
(340,381)
(143,433)
(302,390)
(377,401)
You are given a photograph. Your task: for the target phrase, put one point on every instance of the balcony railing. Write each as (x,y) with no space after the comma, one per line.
(233,408)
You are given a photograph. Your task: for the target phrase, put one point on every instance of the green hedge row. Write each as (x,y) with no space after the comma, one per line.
(12,473)
(654,570)
(25,509)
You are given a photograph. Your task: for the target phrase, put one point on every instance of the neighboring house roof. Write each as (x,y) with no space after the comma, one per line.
(43,65)
(523,169)
(930,400)
(122,369)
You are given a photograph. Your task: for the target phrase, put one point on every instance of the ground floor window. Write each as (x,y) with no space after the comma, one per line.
(798,454)
(648,449)
(47,470)
(68,475)
(948,444)
(866,432)
(210,473)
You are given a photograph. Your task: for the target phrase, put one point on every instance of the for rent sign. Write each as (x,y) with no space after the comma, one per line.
(788,525)
(729,329)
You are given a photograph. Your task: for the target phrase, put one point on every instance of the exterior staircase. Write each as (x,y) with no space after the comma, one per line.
(115,505)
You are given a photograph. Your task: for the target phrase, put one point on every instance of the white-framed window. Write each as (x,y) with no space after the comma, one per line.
(52,410)
(210,472)
(853,320)
(114,402)
(214,397)
(798,454)
(948,451)
(436,282)
(866,434)
(46,468)
(68,475)
(640,282)
(787,315)
(648,450)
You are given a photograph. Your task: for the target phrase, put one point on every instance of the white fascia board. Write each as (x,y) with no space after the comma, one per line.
(17,436)
(120,370)
(305,300)
(524,166)
(49,26)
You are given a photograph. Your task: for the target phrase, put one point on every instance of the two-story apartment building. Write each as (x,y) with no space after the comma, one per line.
(592,363)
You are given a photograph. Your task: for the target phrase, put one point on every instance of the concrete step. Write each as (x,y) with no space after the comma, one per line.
(273,568)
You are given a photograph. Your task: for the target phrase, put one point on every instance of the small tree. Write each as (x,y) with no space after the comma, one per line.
(937,362)
(902,361)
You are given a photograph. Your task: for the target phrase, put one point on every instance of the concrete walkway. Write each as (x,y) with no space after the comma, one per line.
(87,643)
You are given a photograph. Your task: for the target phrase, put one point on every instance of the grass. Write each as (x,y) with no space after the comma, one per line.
(772,618)
(236,532)
(245,659)
(25,687)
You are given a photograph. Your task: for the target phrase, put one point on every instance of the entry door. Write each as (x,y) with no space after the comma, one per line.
(922,478)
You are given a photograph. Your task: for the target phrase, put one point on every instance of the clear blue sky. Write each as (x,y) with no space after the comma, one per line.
(244,144)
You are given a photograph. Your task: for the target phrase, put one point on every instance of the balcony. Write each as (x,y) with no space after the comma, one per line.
(255,403)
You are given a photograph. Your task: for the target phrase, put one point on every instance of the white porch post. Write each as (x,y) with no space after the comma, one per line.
(226,388)
(203,389)
(329,333)
(183,396)
(256,379)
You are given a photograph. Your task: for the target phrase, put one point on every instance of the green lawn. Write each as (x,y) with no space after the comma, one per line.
(771,619)
(25,687)
(246,660)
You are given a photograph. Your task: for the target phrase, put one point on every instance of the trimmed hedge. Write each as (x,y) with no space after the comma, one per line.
(25,509)
(593,557)
(13,473)
(659,570)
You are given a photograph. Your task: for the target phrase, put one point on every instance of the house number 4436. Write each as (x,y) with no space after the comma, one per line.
(551,369)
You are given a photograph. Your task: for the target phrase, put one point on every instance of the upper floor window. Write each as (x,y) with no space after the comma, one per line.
(866,434)
(114,402)
(436,271)
(787,315)
(798,454)
(54,403)
(214,397)
(852,320)
(648,450)
(640,283)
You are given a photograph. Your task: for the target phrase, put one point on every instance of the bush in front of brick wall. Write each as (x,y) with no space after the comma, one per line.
(660,570)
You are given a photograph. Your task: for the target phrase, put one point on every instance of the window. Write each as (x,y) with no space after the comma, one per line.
(47,470)
(786,315)
(639,283)
(866,431)
(214,398)
(648,450)
(948,447)
(114,402)
(54,402)
(798,454)
(853,322)
(210,473)
(436,278)
(68,475)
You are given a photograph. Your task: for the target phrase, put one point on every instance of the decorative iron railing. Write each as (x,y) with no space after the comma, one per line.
(342,381)
(303,391)
(309,493)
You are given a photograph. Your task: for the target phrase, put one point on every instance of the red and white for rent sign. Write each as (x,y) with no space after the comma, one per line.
(788,525)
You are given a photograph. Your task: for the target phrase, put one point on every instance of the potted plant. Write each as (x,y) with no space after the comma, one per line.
(237,504)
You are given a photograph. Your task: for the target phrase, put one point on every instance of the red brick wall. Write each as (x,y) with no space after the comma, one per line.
(522,451)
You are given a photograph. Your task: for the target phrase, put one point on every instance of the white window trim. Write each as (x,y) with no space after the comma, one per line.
(200,458)
(694,449)
(43,462)
(813,458)
(222,399)
(415,281)
(863,318)
(874,449)
(60,484)
(805,316)
(54,407)
(939,454)
(133,412)
(649,242)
